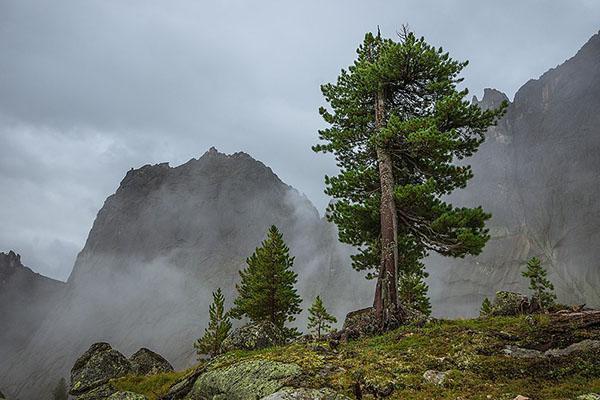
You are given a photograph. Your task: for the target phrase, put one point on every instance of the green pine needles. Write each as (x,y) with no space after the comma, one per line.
(218,328)
(543,289)
(412,292)
(266,291)
(486,308)
(319,320)
(398,128)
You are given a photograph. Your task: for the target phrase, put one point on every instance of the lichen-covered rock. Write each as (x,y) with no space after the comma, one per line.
(305,394)
(435,377)
(257,335)
(589,396)
(246,380)
(509,303)
(583,346)
(96,367)
(126,396)
(147,362)
(101,392)
(519,352)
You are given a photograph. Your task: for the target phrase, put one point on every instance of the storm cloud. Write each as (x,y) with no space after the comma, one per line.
(91,89)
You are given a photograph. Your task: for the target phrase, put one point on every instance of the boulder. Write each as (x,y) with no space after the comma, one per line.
(257,335)
(583,346)
(435,377)
(589,396)
(246,380)
(99,364)
(509,303)
(147,362)
(101,392)
(127,396)
(305,394)
(519,352)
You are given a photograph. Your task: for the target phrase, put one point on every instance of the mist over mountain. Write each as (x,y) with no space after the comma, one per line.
(169,236)
(160,245)
(538,173)
(25,299)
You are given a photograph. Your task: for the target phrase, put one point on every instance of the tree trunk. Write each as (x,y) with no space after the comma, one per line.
(386,292)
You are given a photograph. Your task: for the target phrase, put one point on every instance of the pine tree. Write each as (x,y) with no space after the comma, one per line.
(319,320)
(266,291)
(412,292)
(398,125)
(60,392)
(543,289)
(486,308)
(218,327)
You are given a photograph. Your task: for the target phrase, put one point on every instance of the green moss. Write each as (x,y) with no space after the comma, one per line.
(469,350)
(151,386)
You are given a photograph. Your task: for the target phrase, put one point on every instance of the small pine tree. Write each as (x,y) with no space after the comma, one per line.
(266,291)
(486,308)
(218,328)
(319,319)
(60,392)
(543,289)
(412,291)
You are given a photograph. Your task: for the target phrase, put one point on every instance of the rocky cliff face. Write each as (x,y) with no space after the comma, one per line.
(25,299)
(160,245)
(538,174)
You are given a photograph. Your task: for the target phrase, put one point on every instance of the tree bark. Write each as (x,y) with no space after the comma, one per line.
(386,291)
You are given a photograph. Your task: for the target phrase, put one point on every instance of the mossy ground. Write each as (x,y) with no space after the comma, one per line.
(471,350)
(152,386)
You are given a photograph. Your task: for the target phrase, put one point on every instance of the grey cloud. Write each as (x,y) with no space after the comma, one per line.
(91,89)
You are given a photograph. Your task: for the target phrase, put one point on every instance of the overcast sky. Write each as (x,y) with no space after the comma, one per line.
(89,89)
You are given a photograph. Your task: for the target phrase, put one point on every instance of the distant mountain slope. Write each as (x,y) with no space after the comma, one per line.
(25,298)
(539,175)
(161,244)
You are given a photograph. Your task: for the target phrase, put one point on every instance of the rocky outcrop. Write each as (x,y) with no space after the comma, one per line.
(509,303)
(147,362)
(254,336)
(95,368)
(587,345)
(305,394)
(246,380)
(93,371)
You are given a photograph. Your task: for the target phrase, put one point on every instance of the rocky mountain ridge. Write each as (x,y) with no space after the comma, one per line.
(160,245)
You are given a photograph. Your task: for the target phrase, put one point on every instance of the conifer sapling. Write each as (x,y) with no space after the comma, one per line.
(543,289)
(486,308)
(218,328)
(319,320)
(266,291)
(412,292)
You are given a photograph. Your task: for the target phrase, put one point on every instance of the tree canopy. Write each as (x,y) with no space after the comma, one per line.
(399,128)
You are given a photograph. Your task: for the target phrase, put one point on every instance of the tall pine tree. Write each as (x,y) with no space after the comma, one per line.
(266,290)
(398,126)
(319,320)
(218,327)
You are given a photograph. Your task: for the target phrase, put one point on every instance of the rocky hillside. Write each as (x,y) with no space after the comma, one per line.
(25,298)
(551,356)
(160,245)
(538,174)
